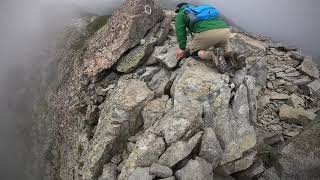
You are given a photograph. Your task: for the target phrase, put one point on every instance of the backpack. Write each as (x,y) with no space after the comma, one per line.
(200,13)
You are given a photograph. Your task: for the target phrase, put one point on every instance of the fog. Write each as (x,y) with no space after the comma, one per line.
(30,27)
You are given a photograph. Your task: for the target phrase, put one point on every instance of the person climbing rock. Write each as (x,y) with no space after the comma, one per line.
(208,30)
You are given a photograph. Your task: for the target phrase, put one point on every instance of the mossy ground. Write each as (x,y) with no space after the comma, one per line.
(91,28)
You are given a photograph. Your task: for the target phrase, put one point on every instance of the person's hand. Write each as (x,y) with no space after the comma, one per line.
(179,54)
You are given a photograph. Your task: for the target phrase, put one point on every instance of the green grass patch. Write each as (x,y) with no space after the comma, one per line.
(79,44)
(97,23)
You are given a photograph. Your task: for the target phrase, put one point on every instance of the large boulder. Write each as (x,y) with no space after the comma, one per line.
(124,30)
(154,111)
(296,115)
(180,122)
(178,151)
(210,147)
(197,169)
(300,158)
(147,151)
(119,118)
(232,125)
(196,81)
(309,68)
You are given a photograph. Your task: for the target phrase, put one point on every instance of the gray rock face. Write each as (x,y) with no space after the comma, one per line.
(109,172)
(154,111)
(169,178)
(129,25)
(232,126)
(252,172)
(159,82)
(314,86)
(296,115)
(140,174)
(178,151)
(197,169)
(270,174)
(252,98)
(180,122)
(160,171)
(296,101)
(196,81)
(169,58)
(309,68)
(210,147)
(118,120)
(300,159)
(146,152)
(240,164)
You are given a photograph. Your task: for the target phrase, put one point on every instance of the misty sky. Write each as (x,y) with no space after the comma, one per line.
(29,26)
(292,21)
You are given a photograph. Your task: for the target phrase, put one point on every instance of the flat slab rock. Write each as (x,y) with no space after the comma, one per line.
(296,115)
(300,158)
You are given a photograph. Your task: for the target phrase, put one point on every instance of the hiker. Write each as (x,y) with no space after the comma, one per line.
(209,31)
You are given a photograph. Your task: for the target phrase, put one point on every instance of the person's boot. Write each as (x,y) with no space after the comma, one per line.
(237,60)
(222,64)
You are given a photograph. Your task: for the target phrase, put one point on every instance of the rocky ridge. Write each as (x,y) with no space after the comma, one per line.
(124,108)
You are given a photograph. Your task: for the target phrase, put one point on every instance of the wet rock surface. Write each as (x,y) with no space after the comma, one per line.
(126,109)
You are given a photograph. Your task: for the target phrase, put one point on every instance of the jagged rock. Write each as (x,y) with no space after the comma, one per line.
(297,55)
(196,81)
(154,111)
(140,174)
(240,164)
(309,68)
(109,172)
(300,158)
(118,120)
(270,174)
(262,103)
(178,151)
(296,101)
(278,96)
(164,28)
(303,81)
(232,126)
(259,70)
(252,172)
(124,30)
(146,152)
(217,176)
(290,133)
(180,122)
(169,178)
(247,45)
(296,115)
(197,169)
(158,51)
(134,58)
(314,86)
(252,98)
(169,59)
(239,77)
(273,139)
(159,82)
(116,159)
(148,73)
(160,171)
(210,147)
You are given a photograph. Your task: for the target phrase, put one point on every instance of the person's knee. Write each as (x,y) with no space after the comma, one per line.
(202,54)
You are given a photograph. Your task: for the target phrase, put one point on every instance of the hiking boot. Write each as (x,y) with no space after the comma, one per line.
(237,60)
(221,64)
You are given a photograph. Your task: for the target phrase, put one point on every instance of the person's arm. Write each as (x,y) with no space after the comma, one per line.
(181,31)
